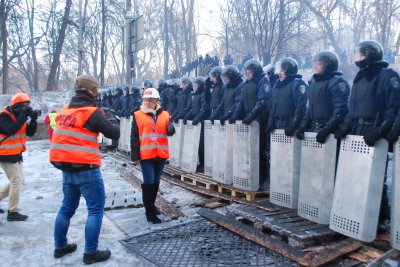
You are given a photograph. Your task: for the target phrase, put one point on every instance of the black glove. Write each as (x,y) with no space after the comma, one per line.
(34,116)
(341,133)
(134,157)
(393,135)
(248,119)
(289,131)
(196,121)
(232,120)
(322,135)
(269,129)
(212,121)
(227,116)
(222,122)
(300,133)
(28,111)
(176,119)
(372,136)
(184,121)
(208,82)
(170,129)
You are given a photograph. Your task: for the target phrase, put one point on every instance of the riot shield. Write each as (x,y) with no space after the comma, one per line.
(395,207)
(358,188)
(285,169)
(317,178)
(223,153)
(124,140)
(246,156)
(208,147)
(190,152)
(175,143)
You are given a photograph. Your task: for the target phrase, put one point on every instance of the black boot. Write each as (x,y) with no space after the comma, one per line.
(98,256)
(16,216)
(154,197)
(147,193)
(61,252)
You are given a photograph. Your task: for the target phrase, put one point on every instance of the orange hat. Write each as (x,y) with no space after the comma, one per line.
(19,98)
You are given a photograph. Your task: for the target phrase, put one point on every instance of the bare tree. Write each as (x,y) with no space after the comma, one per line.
(55,65)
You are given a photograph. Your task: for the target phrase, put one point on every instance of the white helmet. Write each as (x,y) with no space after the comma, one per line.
(151,93)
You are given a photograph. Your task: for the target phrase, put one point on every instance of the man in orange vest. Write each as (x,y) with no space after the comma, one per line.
(149,144)
(74,150)
(13,131)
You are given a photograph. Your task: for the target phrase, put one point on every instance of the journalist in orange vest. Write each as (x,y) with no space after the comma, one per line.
(149,145)
(74,150)
(13,131)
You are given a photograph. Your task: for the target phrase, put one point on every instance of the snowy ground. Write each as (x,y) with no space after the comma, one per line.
(30,243)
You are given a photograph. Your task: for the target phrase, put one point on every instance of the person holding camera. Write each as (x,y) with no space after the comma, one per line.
(13,131)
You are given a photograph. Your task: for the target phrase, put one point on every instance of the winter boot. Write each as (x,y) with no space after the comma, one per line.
(16,216)
(98,256)
(61,252)
(154,197)
(147,193)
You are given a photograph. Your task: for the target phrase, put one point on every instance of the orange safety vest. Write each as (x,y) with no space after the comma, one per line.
(15,144)
(153,135)
(73,143)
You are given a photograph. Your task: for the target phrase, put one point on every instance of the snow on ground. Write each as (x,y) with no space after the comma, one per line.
(30,243)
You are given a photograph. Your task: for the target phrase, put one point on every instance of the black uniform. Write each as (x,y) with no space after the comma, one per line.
(231,97)
(373,106)
(327,104)
(182,97)
(288,103)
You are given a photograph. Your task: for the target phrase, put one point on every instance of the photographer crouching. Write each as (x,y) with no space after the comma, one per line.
(13,131)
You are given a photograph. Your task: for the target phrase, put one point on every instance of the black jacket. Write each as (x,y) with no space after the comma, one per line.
(97,123)
(9,127)
(135,141)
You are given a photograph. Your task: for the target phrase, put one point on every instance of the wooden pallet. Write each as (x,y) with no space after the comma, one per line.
(318,257)
(283,224)
(204,181)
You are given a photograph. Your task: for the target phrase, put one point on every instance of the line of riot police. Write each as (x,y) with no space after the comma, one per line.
(278,98)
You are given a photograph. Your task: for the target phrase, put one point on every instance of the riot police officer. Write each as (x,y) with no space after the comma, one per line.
(231,96)
(135,99)
(328,94)
(288,98)
(213,93)
(254,74)
(374,102)
(182,100)
(170,94)
(193,110)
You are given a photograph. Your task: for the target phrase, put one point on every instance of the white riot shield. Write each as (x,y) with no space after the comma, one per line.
(285,169)
(395,212)
(223,153)
(208,148)
(246,156)
(125,134)
(358,188)
(317,178)
(190,152)
(175,143)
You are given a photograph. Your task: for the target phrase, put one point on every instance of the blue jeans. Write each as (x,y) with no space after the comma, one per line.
(152,170)
(90,184)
